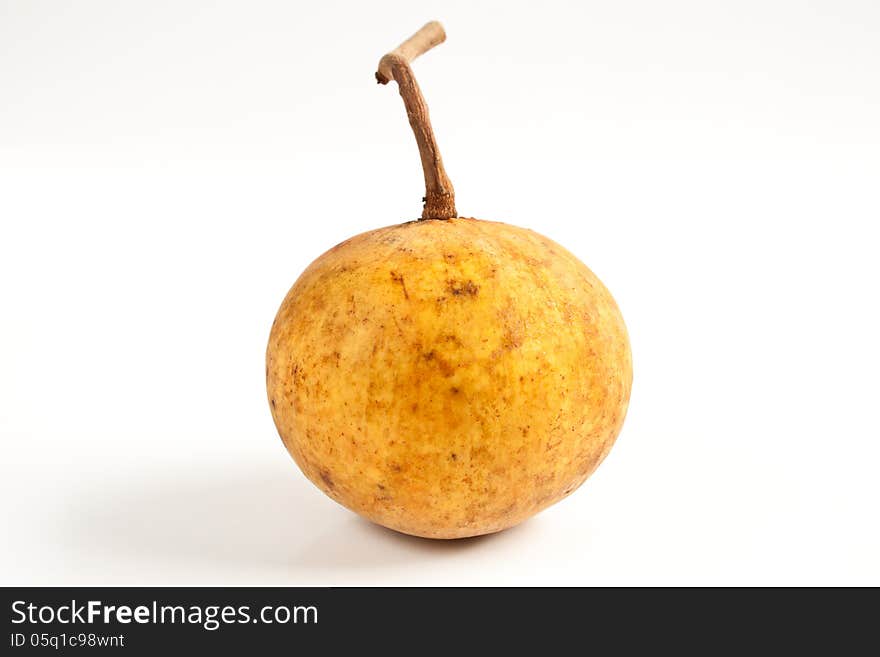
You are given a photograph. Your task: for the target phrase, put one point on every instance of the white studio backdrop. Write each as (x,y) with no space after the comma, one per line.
(167,169)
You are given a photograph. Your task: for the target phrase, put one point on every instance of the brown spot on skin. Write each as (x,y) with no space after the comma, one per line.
(514,328)
(446,368)
(398,278)
(450,257)
(512,340)
(395,467)
(462,288)
(453,456)
(273,403)
(454,390)
(380,486)
(327,479)
(480,453)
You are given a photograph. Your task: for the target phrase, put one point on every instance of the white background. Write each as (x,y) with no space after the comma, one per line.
(167,169)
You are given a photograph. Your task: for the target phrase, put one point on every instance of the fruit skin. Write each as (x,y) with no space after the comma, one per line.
(448,378)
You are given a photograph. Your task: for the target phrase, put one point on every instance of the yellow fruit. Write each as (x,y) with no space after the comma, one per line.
(448,378)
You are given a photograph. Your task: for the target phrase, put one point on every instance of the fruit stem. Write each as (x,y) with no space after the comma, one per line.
(439,195)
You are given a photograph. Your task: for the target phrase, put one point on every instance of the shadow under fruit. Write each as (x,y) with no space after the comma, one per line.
(447,377)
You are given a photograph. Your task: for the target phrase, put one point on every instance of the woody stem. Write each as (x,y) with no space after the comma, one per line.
(439,193)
